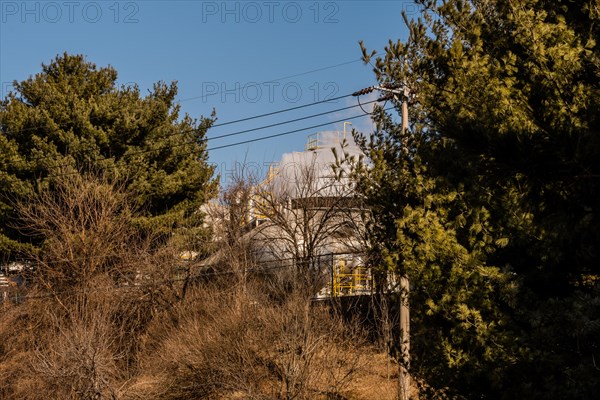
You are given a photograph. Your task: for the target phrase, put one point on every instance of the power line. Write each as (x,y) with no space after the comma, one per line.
(281,111)
(285,122)
(317,70)
(204,140)
(282,78)
(288,132)
(236,143)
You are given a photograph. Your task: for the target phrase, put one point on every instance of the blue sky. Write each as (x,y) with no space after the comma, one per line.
(226,55)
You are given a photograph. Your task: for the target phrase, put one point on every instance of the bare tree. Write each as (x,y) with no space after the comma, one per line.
(233,253)
(308,215)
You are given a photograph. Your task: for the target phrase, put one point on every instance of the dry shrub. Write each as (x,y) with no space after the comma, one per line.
(312,350)
(231,345)
(85,223)
(205,350)
(19,331)
(69,355)
(79,358)
(98,280)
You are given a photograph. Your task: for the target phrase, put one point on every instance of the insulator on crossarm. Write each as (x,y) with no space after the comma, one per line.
(364,91)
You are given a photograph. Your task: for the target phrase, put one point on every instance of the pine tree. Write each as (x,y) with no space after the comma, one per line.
(490,203)
(73,118)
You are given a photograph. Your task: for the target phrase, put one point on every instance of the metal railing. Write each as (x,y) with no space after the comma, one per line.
(359,281)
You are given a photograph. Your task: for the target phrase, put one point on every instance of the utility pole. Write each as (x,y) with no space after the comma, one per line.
(404,309)
(405,285)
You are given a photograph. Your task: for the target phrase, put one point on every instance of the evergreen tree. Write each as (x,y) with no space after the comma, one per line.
(490,203)
(73,118)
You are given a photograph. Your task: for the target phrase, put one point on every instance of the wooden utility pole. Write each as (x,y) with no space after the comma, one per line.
(404,309)
(404,289)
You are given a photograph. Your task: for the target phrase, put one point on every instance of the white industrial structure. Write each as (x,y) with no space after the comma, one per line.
(304,217)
